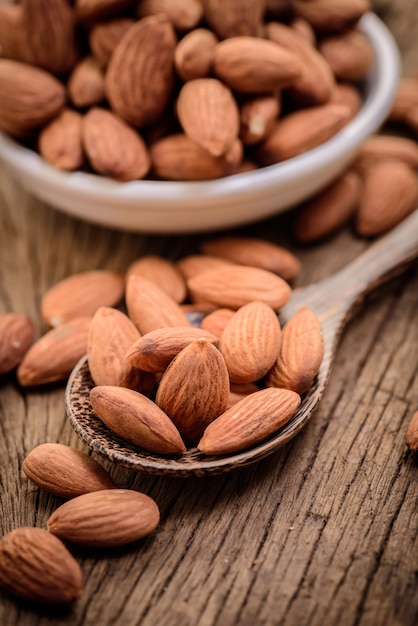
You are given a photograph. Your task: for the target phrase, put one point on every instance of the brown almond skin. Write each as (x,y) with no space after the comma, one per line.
(184,14)
(390,193)
(81,294)
(249,421)
(350,55)
(228,18)
(17,334)
(149,307)
(177,157)
(154,351)
(254,252)
(387,148)
(233,286)
(163,273)
(36,566)
(194,389)
(329,210)
(348,95)
(301,353)
(104,36)
(140,74)
(328,16)
(30,97)
(250,342)
(194,54)
(86,84)
(12,35)
(194,264)
(113,147)
(411,436)
(103,519)
(316,81)
(253,65)
(52,357)
(64,471)
(111,335)
(50,35)
(301,131)
(257,116)
(92,10)
(216,320)
(60,143)
(135,418)
(406,98)
(208,114)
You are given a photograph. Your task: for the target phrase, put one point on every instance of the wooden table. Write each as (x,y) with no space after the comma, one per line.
(323,532)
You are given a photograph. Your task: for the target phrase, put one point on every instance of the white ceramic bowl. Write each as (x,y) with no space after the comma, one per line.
(184,207)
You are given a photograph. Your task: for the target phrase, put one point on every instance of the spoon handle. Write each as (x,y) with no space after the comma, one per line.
(334,297)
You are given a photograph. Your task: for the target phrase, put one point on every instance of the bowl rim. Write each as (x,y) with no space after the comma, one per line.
(93,186)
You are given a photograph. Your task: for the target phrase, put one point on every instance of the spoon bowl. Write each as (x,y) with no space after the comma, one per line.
(333,299)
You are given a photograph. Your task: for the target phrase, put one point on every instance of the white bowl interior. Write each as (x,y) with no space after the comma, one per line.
(181,207)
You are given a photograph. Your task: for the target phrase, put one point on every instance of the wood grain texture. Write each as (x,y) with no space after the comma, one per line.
(322,533)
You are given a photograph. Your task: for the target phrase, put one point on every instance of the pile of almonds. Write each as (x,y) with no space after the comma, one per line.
(179,89)
(159,382)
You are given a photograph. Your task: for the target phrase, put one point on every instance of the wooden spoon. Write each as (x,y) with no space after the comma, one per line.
(334,300)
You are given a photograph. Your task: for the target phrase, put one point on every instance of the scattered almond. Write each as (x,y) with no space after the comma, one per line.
(64,471)
(36,566)
(163,273)
(17,334)
(103,519)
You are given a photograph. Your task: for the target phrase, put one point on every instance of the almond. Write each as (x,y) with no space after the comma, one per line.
(301,353)
(30,97)
(52,357)
(330,16)
(154,351)
(249,421)
(406,98)
(387,148)
(194,54)
(103,519)
(184,14)
(86,83)
(114,148)
(316,81)
(254,252)
(390,193)
(411,436)
(17,334)
(103,37)
(93,10)
(111,335)
(328,210)
(253,65)
(12,36)
(349,95)
(81,294)
(208,114)
(149,307)
(250,342)
(233,286)
(195,264)
(64,471)
(350,55)
(257,116)
(50,34)
(194,389)
(140,74)
(135,418)
(305,29)
(216,321)
(163,273)
(177,157)
(301,131)
(59,142)
(229,18)
(36,566)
